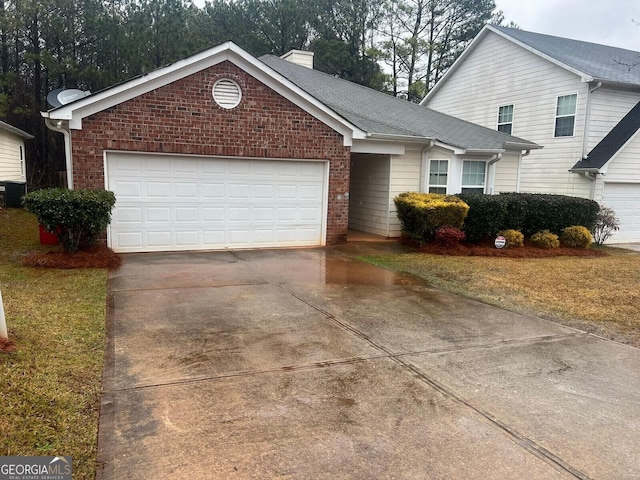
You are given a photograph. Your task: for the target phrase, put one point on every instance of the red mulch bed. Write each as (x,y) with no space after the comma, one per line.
(97,256)
(489,250)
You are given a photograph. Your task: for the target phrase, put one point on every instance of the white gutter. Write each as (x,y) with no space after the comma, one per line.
(423,167)
(492,161)
(57,126)
(587,118)
(522,155)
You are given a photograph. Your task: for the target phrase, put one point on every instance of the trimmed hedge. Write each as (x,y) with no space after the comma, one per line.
(76,217)
(576,236)
(545,239)
(421,214)
(514,238)
(526,212)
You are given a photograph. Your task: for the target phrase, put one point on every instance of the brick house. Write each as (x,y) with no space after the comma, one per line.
(223,150)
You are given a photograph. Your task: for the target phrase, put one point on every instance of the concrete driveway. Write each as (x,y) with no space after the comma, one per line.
(306,364)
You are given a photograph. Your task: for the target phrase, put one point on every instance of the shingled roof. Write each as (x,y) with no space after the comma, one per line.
(591,60)
(380,114)
(612,143)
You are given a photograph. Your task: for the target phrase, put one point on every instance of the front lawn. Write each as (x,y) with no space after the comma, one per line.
(597,294)
(51,383)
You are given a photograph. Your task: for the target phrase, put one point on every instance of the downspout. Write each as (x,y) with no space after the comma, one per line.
(522,155)
(493,160)
(423,158)
(587,118)
(58,127)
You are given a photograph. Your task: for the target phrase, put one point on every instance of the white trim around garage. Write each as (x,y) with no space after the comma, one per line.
(173,202)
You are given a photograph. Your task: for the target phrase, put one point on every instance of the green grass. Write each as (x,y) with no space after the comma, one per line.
(599,294)
(51,383)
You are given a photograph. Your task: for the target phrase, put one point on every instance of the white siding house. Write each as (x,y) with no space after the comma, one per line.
(12,153)
(565,95)
(407,148)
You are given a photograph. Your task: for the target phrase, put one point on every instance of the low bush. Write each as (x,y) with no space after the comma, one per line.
(76,217)
(422,214)
(514,238)
(527,212)
(576,237)
(545,239)
(449,236)
(606,223)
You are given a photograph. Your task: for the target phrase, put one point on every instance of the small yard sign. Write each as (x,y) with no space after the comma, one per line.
(500,242)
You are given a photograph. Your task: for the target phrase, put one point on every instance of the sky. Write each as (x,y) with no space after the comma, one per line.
(605,22)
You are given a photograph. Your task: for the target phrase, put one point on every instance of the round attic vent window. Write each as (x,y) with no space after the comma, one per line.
(227,93)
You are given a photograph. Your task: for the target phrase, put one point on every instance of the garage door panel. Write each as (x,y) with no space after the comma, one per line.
(160,190)
(186,190)
(624,199)
(129,215)
(158,214)
(181,203)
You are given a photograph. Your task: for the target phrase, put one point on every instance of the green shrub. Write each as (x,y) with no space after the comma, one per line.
(449,236)
(545,239)
(576,237)
(421,214)
(606,224)
(514,238)
(527,212)
(77,217)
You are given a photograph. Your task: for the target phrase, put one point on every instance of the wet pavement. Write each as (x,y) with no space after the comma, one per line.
(308,364)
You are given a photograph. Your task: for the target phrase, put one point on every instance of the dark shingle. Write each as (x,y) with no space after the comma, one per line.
(612,143)
(378,113)
(600,62)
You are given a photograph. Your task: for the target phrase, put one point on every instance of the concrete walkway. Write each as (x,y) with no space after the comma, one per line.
(306,364)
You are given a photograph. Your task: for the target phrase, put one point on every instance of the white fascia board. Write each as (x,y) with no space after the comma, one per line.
(378,147)
(455,150)
(484,151)
(583,76)
(522,146)
(76,111)
(15,130)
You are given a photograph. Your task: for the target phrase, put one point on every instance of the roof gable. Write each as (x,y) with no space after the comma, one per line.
(589,61)
(15,130)
(611,144)
(382,115)
(74,112)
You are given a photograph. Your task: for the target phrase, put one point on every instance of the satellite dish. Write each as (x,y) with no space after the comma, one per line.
(71,95)
(61,96)
(52,98)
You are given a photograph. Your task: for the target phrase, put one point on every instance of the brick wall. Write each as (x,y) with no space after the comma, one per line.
(183,118)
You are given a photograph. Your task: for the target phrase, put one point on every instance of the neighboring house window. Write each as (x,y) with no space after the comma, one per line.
(505,119)
(565,115)
(473,175)
(438,171)
(21,161)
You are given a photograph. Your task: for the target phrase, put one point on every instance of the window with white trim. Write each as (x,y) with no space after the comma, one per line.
(473,176)
(21,161)
(565,115)
(505,119)
(438,174)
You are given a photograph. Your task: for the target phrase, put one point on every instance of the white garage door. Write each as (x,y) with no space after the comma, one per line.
(624,198)
(166,203)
